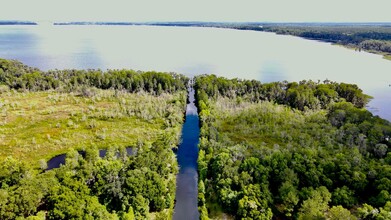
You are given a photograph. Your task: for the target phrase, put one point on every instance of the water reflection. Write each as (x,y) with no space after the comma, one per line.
(187,190)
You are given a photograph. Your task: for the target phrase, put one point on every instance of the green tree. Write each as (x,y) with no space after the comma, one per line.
(129,215)
(316,205)
(289,198)
(66,203)
(250,208)
(367,212)
(380,150)
(39,216)
(340,213)
(344,196)
(385,212)
(141,206)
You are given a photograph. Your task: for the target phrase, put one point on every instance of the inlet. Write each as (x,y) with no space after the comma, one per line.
(186,206)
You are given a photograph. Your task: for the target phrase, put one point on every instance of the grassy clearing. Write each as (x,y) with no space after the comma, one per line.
(39,125)
(264,124)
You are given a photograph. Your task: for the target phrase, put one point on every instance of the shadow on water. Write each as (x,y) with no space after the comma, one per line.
(59,160)
(187,154)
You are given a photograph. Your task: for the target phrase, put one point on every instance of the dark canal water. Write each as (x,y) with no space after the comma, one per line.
(187,179)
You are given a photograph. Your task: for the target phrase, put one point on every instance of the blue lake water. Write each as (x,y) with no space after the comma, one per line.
(231,53)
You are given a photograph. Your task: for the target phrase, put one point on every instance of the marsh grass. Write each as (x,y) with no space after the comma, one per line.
(40,125)
(265,124)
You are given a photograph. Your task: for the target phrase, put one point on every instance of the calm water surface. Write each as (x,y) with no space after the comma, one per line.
(186,206)
(231,53)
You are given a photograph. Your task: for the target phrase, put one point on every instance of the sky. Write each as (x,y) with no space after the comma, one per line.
(198,10)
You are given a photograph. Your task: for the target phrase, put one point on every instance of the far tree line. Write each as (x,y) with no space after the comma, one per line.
(21,77)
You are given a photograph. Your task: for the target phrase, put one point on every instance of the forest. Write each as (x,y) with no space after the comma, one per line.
(44,114)
(18,76)
(307,150)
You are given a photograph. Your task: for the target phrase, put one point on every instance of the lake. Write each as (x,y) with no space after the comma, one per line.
(192,50)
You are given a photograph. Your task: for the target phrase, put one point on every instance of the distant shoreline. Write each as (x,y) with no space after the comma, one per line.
(250,26)
(17,23)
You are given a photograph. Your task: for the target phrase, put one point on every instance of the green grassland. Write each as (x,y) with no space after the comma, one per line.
(39,125)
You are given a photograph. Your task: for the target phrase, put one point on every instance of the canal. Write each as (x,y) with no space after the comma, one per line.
(187,190)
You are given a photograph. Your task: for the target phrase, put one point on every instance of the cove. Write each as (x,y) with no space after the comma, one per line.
(187,190)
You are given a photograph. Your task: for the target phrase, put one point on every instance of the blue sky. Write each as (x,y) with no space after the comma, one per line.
(198,10)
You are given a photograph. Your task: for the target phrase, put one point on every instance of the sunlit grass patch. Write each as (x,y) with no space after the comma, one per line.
(264,124)
(36,125)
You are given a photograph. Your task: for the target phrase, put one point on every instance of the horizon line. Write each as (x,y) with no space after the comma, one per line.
(198,21)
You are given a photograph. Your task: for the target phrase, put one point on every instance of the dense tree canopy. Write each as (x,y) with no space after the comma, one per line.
(290,150)
(18,76)
(305,94)
(93,187)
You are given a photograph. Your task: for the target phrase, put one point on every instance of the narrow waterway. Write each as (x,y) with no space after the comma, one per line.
(187,189)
